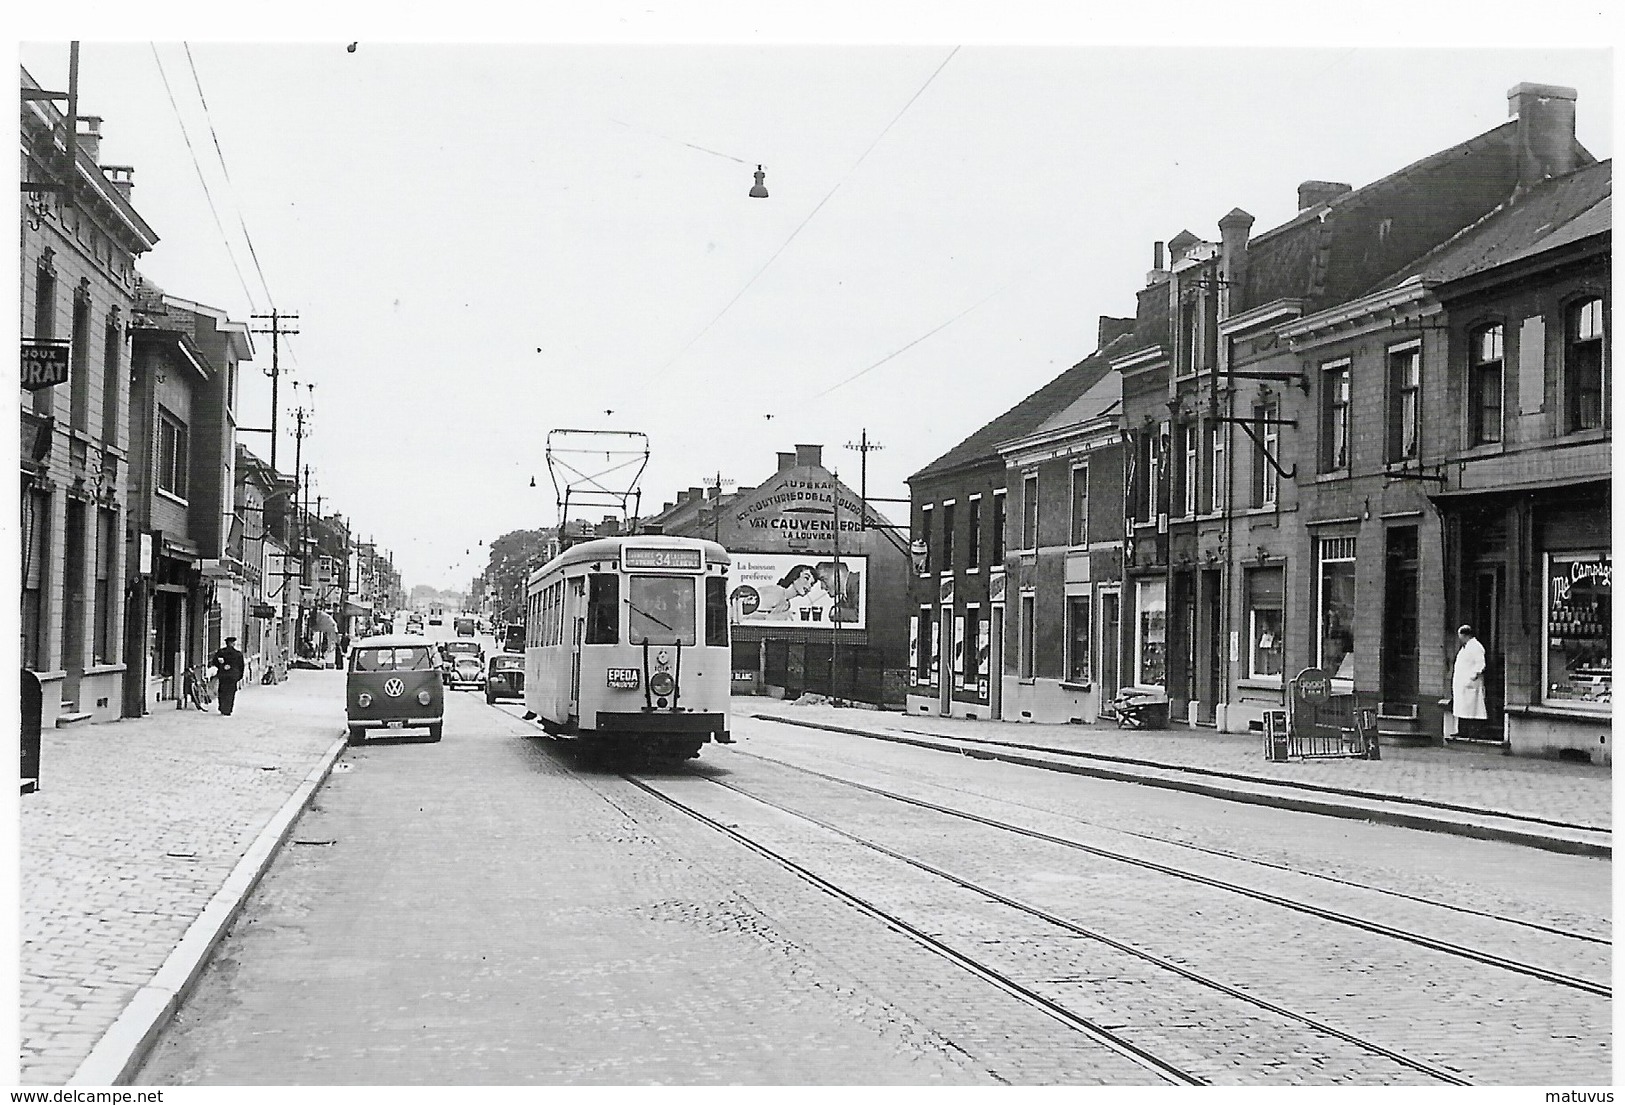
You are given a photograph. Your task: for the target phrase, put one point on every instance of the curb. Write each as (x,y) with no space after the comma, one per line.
(123,1047)
(1374,809)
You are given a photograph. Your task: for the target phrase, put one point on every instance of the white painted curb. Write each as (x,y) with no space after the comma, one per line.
(122,1047)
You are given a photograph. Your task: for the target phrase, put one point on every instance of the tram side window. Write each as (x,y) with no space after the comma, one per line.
(716,611)
(603,610)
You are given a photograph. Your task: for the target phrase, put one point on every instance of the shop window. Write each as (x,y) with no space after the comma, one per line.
(972,669)
(948,536)
(1151,633)
(1404,402)
(1485,358)
(973,538)
(1335,612)
(1029,511)
(1334,416)
(107,542)
(35,546)
(1579,625)
(999,522)
(1583,357)
(922,646)
(1266,621)
(1029,635)
(1077,639)
(1080,504)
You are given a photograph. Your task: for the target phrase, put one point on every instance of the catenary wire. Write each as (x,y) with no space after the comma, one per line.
(207,195)
(810,215)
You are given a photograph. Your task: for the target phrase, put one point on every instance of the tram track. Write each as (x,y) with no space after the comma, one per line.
(1448,947)
(1115,1041)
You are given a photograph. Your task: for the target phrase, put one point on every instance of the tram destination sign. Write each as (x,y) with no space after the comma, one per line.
(686,559)
(45,363)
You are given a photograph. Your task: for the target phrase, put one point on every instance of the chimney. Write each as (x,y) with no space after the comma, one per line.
(1234,229)
(1545,114)
(1111,329)
(122,177)
(1157,274)
(714,492)
(90,137)
(809,456)
(1313,193)
(786,460)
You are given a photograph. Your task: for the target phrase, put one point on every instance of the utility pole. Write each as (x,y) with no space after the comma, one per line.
(716,507)
(276,331)
(864,447)
(301,429)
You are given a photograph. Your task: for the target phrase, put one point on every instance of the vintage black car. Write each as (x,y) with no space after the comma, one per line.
(505,677)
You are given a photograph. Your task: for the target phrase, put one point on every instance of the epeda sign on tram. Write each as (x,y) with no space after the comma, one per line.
(45,363)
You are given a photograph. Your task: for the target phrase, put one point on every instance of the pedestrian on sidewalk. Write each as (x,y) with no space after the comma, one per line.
(1467,685)
(230,663)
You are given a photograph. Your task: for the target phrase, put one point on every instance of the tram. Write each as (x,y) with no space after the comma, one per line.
(627,644)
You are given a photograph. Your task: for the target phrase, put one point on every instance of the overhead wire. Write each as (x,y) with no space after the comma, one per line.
(811,214)
(232,188)
(202,180)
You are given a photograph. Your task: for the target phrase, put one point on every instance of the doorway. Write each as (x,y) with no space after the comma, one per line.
(1110,645)
(1401,618)
(1484,605)
(995,662)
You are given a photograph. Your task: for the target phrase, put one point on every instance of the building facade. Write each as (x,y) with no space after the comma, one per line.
(80,239)
(185,593)
(817,582)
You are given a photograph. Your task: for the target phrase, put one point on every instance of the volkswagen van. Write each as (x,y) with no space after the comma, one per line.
(393,682)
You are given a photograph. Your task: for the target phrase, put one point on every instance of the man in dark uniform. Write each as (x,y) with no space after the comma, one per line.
(230,663)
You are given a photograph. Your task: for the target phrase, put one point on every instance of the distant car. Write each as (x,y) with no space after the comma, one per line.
(465,627)
(505,677)
(466,671)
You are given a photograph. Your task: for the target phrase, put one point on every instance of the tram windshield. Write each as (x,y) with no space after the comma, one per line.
(661,610)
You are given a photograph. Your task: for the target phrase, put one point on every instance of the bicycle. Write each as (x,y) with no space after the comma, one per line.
(195,689)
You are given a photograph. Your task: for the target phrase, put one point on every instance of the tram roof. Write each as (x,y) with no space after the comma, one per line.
(609,548)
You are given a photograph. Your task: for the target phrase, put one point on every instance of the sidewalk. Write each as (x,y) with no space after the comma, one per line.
(142,840)
(1470,791)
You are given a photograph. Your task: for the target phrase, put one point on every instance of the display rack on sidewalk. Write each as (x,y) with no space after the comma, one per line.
(1318,724)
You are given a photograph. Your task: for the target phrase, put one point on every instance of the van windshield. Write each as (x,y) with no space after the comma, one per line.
(391,659)
(661,610)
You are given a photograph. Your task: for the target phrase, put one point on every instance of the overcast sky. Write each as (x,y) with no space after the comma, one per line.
(485,242)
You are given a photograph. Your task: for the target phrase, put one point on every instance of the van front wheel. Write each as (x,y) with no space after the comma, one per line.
(434,732)
(357,735)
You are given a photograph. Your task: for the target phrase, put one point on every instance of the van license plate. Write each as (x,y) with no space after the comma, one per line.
(624,678)
(396,724)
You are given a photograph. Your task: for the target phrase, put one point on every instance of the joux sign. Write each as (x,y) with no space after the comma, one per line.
(45,364)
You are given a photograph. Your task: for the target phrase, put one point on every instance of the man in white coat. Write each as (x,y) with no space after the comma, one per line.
(1467,686)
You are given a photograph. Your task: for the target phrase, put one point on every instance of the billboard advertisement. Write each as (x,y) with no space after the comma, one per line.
(801,591)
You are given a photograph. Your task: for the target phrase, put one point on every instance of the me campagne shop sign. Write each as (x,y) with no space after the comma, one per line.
(45,363)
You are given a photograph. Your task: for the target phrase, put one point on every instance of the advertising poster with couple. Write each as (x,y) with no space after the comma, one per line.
(800,590)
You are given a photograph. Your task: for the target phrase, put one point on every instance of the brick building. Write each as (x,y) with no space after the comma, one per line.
(817,582)
(80,238)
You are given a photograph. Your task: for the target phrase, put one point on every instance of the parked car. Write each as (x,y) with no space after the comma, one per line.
(466,671)
(392,683)
(505,677)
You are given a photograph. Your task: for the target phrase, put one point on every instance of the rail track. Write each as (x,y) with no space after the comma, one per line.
(1118,1042)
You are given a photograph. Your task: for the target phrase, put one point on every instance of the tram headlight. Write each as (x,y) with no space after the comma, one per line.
(661,683)
(363,699)
(423,697)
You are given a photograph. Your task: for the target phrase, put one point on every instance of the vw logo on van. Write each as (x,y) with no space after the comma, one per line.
(394,688)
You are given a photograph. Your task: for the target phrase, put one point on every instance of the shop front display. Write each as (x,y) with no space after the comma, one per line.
(1578,630)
